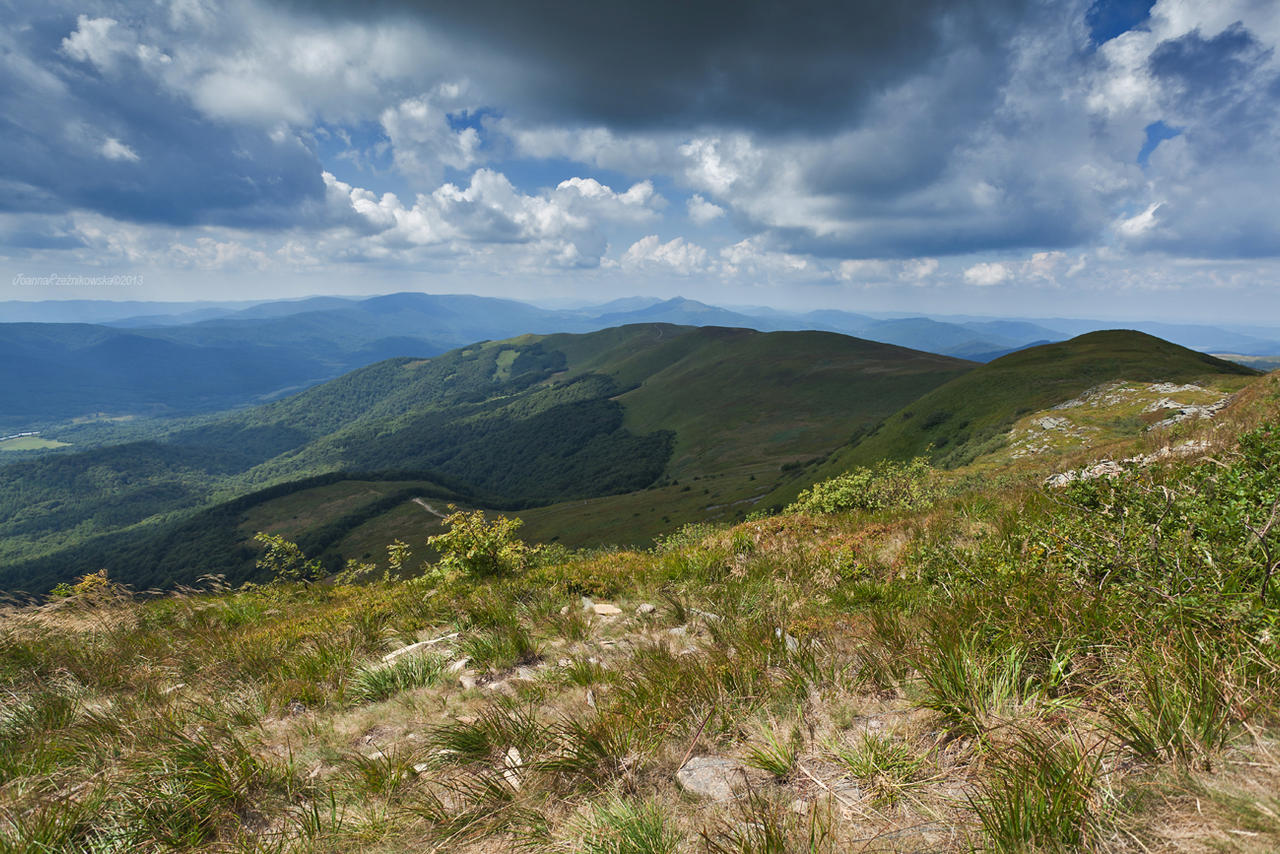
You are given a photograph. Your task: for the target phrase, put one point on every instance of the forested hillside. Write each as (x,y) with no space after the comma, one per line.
(531,420)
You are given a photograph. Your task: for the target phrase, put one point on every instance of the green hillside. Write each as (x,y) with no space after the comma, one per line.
(534,420)
(970,415)
(977,666)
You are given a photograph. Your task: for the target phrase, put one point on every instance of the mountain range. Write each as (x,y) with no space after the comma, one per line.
(181,359)
(609,436)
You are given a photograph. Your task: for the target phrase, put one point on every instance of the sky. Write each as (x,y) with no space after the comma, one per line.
(1006,157)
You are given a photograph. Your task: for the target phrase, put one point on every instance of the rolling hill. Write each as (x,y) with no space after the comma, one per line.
(532,420)
(970,415)
(209,359)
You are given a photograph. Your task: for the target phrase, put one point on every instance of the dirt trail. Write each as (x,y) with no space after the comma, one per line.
(421,502)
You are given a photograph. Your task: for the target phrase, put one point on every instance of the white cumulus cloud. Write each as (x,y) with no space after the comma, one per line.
(986,273)
(677,254)
(702,211)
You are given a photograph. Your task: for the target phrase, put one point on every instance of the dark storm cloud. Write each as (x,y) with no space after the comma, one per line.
(1209,73)
(766,66)
(73,136)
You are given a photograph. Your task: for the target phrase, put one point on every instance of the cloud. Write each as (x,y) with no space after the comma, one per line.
(753,257)
(918,269)
(94,129)
(986,274)
(563,226)
(928,143)
(114,149)
(676,255)
(1211,71)
(669,64)
(703,212)
(425,142)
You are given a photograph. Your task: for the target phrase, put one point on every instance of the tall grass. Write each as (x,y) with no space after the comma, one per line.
(622,826)
(1180,705)
(1039,795)
(377,682)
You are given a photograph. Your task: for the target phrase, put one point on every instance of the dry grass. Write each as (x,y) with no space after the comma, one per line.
(1003,672)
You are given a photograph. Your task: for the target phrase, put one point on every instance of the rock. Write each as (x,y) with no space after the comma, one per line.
(296,708)
(587,604)
(467,680)
(405,650)
(646,609)
(604,609)
(421,768)
(714,777)
(678,631)
(375,755)
(511,765)
(591,698)
(1050,422)
(791,643)
(458,666)
(414,647)
(565,662)
(564,612)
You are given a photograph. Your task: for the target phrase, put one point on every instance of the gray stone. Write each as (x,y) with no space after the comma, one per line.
(604,609)
(646,609)
(715,777)
(511,765)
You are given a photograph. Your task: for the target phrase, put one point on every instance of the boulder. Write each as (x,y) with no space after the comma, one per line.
(714,777)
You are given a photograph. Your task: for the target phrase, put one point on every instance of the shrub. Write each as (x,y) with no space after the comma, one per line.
(476,547)
(284,561)
(886,485)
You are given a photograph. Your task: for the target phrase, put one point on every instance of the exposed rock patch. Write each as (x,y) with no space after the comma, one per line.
(714,777)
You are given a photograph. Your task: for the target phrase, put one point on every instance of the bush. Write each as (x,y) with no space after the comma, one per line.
(476,547)
(887,484)
(285,561)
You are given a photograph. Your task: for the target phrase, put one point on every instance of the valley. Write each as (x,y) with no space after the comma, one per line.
(613,437)
(534,420)
(1024,645)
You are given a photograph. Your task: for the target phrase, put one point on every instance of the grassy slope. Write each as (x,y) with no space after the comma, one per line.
(504,417)
(1000,672)
(975,410)
(742,404)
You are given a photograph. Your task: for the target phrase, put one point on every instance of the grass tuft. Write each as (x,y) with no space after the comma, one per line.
(1039,795)
(620,826)
(383,681)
